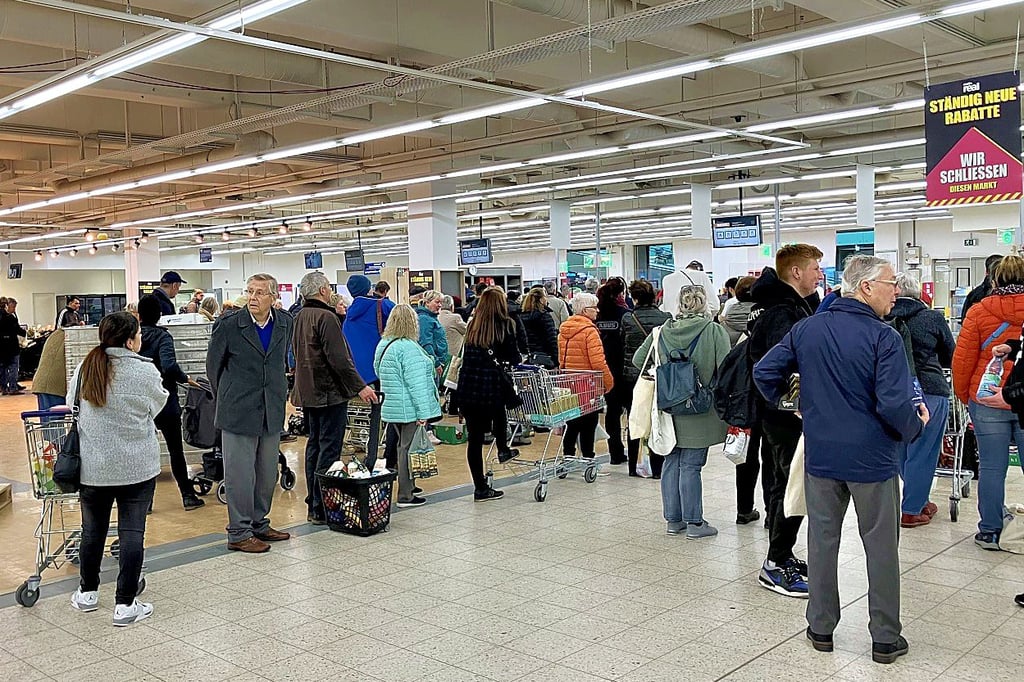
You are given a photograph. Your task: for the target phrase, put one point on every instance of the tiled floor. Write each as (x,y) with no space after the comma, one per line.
(583,587)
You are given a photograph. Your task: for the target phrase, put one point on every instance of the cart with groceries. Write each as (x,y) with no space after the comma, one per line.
(550,398)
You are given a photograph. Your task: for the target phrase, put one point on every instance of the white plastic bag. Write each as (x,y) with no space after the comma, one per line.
(795,502)
(737,441)
(643,463)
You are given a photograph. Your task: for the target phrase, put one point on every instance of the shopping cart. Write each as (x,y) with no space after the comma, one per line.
(59,531)
(550,399)
(951,459)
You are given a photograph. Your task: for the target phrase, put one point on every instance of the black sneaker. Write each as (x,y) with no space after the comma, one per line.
(822,643)
(798,565)
(191,502)
(414,502)
(743,519)
(1019,599)
(888,653)
(507,455)
(487,495)
(417,490)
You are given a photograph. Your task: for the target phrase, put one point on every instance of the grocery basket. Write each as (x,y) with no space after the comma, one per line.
(359,427)
(357,506)
(59,531)
(951,460)
(550,399)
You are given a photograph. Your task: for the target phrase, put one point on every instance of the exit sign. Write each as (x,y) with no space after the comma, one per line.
(1005,235)
(970,242)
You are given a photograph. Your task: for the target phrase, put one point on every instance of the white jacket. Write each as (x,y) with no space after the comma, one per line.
(118,440)
(677,280)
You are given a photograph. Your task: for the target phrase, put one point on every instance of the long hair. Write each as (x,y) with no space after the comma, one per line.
(608,295)
(97,372)
(490,322)
(534,299)
(403,323)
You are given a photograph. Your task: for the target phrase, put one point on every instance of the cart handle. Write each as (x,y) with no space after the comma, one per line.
(60,410)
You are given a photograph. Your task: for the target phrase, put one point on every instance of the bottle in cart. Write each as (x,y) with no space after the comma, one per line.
(992,378)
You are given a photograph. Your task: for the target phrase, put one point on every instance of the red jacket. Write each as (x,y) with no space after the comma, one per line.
(984,319)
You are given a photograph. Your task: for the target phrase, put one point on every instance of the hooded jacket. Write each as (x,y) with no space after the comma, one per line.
(432,336)
(734,318)
(579,347)
(856,392)
(777,307)
(363,327)
(983,320)
(931,343)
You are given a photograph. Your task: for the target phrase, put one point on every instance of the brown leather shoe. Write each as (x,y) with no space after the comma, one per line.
(271,535)
(250,545)
(914,520)
(930,510)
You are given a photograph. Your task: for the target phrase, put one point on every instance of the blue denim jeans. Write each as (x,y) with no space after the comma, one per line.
(919,458)
(682,494)
(993,428)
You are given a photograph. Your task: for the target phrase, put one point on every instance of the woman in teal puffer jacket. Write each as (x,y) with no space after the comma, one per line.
(410,395)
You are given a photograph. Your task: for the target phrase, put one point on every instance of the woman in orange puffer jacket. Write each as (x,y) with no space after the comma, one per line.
(990,323)
(580,348)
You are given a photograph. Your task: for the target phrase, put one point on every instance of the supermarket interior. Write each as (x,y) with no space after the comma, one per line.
(257,168)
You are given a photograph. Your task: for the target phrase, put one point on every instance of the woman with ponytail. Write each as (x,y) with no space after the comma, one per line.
(119,395)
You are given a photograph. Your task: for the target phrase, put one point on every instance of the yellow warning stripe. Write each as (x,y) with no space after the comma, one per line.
(1010,196)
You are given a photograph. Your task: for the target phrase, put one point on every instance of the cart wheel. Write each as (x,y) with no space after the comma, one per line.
(142,586)
(562,472)
(71,553)
(222,493)
(954,510)
(590,474)
(287,479)
(965,492)
(26,596)
(490,479)
(540,493)
(202,486)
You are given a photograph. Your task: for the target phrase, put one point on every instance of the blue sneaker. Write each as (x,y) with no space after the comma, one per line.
(784,580)
(989,541)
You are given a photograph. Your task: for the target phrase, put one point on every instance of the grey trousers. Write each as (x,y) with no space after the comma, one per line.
(878,516)
(405,482)
(250,474)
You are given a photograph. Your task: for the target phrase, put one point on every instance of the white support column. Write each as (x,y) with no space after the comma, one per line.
(433,228)
(865,196)
(560,236)
(141,264)
(700,214)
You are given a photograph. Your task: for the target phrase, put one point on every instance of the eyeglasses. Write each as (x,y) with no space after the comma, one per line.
(258,294)
(886,281)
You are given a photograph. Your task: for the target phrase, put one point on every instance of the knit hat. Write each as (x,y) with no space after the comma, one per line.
(358,285)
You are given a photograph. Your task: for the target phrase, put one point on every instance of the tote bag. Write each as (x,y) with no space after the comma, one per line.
(643,398)
(795,502)
(663,429)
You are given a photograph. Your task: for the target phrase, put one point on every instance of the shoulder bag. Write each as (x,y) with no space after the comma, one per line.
(663,429)
(643,399)
(67,469)
(380,317)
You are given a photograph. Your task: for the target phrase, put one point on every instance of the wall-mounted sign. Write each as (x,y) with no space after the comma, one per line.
(205,255)
(14,271)
(475,251)
(1005,235)
(972,133)
(421,278)
(147,287)
(373,268)
(354,260)
(736,230)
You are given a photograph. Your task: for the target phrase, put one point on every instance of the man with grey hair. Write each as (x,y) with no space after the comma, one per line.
(858,405)
(325,380)
(591,285)
(245,364)
(559,309)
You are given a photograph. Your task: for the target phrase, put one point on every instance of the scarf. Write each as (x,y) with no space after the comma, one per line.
(1008,290)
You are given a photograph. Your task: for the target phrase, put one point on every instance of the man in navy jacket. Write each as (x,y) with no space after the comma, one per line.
(857,403)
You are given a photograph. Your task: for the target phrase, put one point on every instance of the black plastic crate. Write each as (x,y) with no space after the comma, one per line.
(358,506)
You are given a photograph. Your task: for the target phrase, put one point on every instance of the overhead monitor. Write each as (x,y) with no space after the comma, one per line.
(314,260)
(14,271)
(354,260)
(734,231)
(475,251)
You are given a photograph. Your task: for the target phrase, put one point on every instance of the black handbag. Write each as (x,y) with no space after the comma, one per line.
(509,391)
(67,469)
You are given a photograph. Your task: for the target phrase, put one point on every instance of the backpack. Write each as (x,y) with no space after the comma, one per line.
(198,412)
(735,393)
(679,386)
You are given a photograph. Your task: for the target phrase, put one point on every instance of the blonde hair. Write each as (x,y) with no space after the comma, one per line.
(534,299)
(403,323)
(431,295)
(692,299)
(1009,271)
(209,306)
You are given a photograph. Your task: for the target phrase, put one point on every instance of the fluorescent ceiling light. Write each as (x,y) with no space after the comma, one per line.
(836,116)
(977,6)
(389,132)
(33,96)
(876,147)
(653,144)
(492,110)
(573,156)
(640,78)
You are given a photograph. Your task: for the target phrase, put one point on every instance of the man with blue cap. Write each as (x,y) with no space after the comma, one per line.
(363,328)
(170,284)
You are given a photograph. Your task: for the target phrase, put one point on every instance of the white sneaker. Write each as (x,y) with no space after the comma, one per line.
(85,601)
(126,614)
(434,440)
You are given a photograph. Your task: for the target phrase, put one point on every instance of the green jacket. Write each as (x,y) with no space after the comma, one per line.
(696,430)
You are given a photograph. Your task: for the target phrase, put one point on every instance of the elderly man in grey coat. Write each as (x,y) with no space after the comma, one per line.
(246,367)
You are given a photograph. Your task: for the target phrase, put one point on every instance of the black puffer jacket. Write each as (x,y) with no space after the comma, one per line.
(931,343)
(609,324)
(541,335)
(636,327)
(777,307)
(158,346)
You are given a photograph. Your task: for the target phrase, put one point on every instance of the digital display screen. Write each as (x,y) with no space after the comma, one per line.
(354,260)
(733,231)
(475,251)
(314,260)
